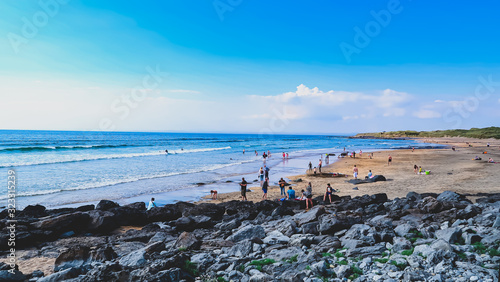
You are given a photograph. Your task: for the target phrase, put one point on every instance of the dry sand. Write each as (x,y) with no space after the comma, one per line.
(450,170)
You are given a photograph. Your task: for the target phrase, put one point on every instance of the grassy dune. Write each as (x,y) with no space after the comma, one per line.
(482,133)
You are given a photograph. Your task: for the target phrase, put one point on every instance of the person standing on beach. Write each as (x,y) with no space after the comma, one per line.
(309,202)
(256,153)
(282,186)
(261,176)
(353,154)
(264,189)
(389,160)
(355,170)
(287,155)
(310,166)
(415,169)
(152,204)
(243,187)
(329,191)
(284,155)
(266,172)
(319,165)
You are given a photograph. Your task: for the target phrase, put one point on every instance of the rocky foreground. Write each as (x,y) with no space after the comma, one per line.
(422,237)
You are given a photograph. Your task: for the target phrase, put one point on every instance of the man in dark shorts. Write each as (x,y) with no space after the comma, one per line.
(243,186)
(264,188)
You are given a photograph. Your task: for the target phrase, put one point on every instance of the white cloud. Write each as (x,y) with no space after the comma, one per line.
(182,91)
(423,113)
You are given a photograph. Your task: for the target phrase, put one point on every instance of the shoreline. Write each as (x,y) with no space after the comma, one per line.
(450,170)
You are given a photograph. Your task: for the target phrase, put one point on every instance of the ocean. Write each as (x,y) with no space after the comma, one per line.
(69,168)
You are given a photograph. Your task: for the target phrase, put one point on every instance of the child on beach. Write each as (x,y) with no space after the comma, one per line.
(370,174)
(415,169)
(389,160)
(213,194)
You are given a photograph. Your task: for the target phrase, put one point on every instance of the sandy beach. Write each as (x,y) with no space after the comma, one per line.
(450,170)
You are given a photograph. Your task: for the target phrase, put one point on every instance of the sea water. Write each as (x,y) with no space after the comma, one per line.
(67,168)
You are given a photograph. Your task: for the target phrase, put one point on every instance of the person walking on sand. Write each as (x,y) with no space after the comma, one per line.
(355,171)
(310,166)
(282,187)
(152,204)
(243,187)
(266,172)
(329,191)
(415,169)
(261,176)
(319,166)
(264,188)
(389,160)
(354,154)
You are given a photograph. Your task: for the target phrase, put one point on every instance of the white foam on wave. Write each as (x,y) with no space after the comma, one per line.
(110,156)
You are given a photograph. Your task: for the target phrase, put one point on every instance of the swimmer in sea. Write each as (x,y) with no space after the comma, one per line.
(166,151)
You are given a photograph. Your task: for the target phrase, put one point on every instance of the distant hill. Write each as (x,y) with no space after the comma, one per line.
(482,133)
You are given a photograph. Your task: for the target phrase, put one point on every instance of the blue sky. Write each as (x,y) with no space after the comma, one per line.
(249,66)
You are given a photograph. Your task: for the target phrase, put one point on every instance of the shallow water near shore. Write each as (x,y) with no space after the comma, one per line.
(59,169)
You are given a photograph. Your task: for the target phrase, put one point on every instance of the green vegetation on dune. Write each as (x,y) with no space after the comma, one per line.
(481,133)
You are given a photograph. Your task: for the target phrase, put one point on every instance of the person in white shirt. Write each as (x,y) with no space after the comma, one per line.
(152,204)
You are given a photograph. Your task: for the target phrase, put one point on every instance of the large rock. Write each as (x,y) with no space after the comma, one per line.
(430,205)
(215,212)
(248,232)
(441,245)
(60,276)
(165,213)
(14,275)
(67,222)
(330,224)
(309,216)
(450,235)
(105,205)
(360,233)
(266,206)
(187,241)
(275,237)
(101,221)
(241,249)
(367,251)
(401,244)
(450,196)
(132,214)
(74,257)
(33,211)
(404,229)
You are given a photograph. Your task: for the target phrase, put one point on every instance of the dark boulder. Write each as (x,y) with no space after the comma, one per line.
(492,198)
(67,222)
(133,214)
(187,241)
(215,212)
(165,213)
(282,211)
(101,221)
(33,211)
(105,205)
(85,208)
(266,206)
